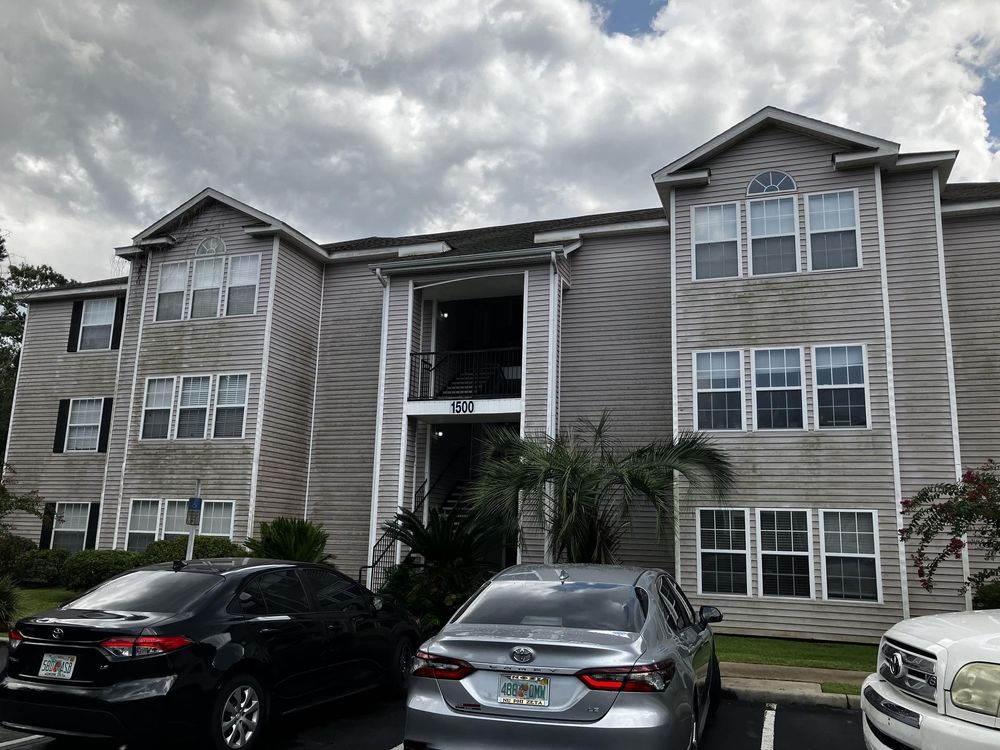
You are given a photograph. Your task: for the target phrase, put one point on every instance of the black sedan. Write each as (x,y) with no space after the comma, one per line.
(208,649)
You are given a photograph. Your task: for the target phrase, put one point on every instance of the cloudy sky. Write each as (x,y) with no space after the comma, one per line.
(347,117)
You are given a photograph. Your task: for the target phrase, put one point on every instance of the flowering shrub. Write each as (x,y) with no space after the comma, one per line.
(943,516)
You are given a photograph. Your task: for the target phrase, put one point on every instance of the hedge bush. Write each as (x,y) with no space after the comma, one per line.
(10,602)
(987,596)
(12,549)
(86,569)
(168,550)
(41,567)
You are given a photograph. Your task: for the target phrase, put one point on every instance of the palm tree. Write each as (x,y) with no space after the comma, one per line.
(583,485)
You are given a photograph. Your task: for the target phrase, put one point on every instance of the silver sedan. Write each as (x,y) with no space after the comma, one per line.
(567,657)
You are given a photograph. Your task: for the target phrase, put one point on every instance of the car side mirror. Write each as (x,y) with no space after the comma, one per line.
(709,615)
(377,602)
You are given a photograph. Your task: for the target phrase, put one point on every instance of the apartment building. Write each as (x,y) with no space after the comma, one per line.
(820,302)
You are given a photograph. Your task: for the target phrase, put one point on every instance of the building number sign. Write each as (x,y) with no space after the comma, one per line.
(463,407)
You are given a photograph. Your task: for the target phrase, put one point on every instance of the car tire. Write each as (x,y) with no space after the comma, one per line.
(715,688)
(239,714)
(397,679)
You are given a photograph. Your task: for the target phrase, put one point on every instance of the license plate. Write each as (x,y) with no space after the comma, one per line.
(59,666)
(523,690)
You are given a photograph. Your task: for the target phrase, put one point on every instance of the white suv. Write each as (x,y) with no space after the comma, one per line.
(937,685)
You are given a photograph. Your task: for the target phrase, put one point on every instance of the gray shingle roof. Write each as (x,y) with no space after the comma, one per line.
(960,192)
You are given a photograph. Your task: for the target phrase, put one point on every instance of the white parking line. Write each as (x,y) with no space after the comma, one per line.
(767,734)
(21,741)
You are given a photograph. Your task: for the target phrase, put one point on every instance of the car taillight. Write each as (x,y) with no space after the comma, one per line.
(642,678)
(146,645)
(440,667)
(15,639)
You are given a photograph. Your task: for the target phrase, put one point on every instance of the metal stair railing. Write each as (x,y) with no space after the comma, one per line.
(465,374)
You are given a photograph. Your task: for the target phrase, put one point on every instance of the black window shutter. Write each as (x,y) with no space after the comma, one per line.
(116,333)
(59,444)
(102,440)
(92,523)
(48,520)
(74,326)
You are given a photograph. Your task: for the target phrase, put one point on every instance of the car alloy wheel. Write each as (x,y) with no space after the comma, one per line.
(240,717)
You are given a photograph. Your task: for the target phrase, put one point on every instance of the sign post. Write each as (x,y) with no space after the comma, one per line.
(193,517)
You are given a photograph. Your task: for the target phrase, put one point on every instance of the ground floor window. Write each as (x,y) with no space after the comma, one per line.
(69,531)
(849,542)
(143,521)
(723,551)
(785,553)
(145,525)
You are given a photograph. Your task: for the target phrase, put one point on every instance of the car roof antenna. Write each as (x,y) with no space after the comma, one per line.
(179,565)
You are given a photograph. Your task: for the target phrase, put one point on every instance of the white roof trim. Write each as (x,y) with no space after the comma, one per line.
(970,207)
(424,248)
(570,234)
(76,293)
(693,178)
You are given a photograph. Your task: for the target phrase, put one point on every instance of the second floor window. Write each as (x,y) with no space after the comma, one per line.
(192,412)
(83,430)
(230,406)
(206,288)
(833,231)
(774,246)
(716,241)
(719,389)
(170,291)
(241,296)
(841,390)
(157,407)
(778,389)
(97,323)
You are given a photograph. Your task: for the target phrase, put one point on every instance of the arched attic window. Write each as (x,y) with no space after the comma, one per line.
(771,181)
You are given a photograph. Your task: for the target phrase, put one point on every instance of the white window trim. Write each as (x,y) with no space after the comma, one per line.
(700,549)
(739,242)
(751,237)
(222,281)
(69,423)
(232,519)
(816,388)
(857,232)
(186,290)
(246,404)
(802,378)
(878,555)
(157,531)
(226,276)
(161,529)
(696,391)
(173,401)
(175,411)
(761,552)
(83,314)
(55,525)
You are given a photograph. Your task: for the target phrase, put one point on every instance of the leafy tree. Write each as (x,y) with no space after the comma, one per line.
(14,501)
(583,485)
(943,516)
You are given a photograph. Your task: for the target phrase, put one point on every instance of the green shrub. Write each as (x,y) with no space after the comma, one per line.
(290,539)
(12,549)
(987,596)
(168,550)
(10,602)
(92,566)
(41,567)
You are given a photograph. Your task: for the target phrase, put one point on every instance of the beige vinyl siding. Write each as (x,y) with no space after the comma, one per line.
(791,469)
(48,374)
(615,355)
(291,380)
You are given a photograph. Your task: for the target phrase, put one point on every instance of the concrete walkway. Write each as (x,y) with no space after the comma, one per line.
(789,685)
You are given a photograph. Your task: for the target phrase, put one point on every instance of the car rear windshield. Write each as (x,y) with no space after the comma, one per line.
(590,606)
(148,591)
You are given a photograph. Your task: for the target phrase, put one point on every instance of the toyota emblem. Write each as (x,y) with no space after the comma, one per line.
(895,664)
(522,654)
(57,633)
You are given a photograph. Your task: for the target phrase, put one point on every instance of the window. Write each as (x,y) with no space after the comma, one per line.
(143,520)
(841,393)
(774,244)
(771,181)
(676,613)
(148,591)
(850,555)
(334,593)
(175,519)
(192,410)
(206,286)
(230,406)
(716,241)
(833,231)
(283,593)
(70,529)
(171,290)
(723,551)
(241,296)
(217,518)
(785,553)
(157,407)
(83,431)
(97,323)
(719,389)
(778,387)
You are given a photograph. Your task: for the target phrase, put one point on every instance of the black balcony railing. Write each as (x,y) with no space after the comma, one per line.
(480,373)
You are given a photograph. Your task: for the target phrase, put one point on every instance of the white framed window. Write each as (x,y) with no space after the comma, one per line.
(718,385)
(206,288)
(97,324)
(849,550)
(192,407)
(241,292)
(171,290)
(833,234)
(217,518)
(716,245)
(840,386)
(175,519)
(724,551)
(83,429)
(774,235)
(771,181)
(158,405)
(230,406)
(143,522)
(784,553)
(69,532)
(779,390)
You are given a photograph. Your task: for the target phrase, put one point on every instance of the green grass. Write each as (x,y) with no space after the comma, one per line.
(845,688)
(36,600)
(789,653)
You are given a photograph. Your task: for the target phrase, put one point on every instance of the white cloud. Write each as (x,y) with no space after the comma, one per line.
(348,119)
